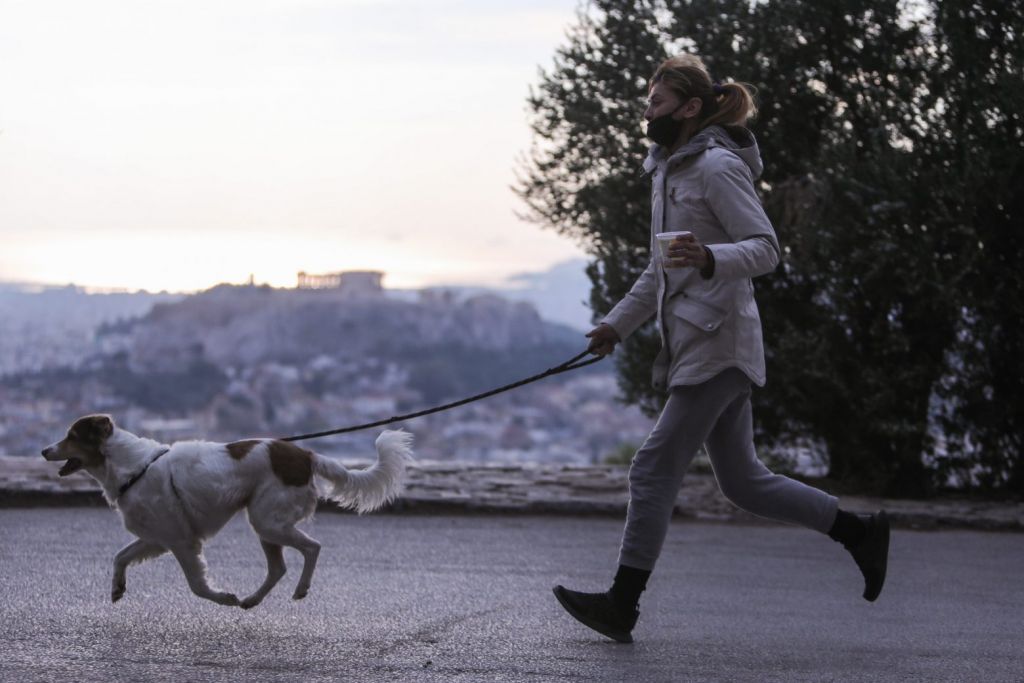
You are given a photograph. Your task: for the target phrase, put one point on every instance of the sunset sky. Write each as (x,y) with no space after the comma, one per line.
(176,144)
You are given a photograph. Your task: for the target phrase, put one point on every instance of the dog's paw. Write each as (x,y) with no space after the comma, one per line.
(116,594)
(250,602)
(300,592)
(226,599)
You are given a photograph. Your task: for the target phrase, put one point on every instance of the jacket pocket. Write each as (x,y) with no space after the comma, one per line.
(702,315)
(680,194)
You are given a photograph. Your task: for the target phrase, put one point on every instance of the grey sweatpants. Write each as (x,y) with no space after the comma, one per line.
(716,414)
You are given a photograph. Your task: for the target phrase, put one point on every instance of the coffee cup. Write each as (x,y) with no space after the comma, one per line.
(666,238)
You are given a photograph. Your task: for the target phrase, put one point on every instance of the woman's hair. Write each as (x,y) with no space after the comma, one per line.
(723,104)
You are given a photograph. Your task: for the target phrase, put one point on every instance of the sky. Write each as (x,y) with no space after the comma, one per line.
(173,145)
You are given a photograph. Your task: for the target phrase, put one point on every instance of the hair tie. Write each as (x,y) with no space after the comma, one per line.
(717,88)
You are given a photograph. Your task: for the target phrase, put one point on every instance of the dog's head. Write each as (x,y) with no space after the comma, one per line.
(81,447)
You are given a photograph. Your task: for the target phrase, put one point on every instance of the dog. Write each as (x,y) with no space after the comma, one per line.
(174,497)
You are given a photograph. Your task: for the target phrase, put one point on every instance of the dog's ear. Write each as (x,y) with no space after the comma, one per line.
(94,428)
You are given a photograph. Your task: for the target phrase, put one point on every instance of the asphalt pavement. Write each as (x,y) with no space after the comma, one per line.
(468,598)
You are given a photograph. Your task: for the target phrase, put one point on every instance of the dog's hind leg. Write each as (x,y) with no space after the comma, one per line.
(136,551)
(273,517)
(293,538)
(191,560)
(275,570)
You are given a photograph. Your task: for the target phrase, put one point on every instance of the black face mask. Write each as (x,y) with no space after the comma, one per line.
(665,130)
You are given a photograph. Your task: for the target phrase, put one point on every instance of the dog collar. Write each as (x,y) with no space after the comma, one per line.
(138,475)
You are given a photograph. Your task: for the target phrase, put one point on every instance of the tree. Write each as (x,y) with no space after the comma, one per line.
(582,177)
(856,321)
(889,308)
(978,149)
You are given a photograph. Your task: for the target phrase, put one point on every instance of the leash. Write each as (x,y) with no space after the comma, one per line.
(571,364)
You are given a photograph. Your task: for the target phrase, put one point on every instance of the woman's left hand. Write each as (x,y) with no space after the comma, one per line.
(686,251)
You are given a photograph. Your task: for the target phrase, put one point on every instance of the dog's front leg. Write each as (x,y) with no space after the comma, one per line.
(192,563)
(136,551)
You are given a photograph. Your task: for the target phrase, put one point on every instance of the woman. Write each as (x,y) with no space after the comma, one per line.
(703,164)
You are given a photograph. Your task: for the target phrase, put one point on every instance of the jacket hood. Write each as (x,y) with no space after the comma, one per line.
(735,139)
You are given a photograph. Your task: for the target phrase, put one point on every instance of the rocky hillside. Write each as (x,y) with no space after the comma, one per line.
(186,355)
(243,360)
(232,327)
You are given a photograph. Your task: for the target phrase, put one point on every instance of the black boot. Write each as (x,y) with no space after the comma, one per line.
(599,612)
(872,553)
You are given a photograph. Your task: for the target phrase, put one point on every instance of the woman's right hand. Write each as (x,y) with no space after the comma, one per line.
(603,339)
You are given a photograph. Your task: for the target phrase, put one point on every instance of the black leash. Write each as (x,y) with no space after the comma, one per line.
(571,364)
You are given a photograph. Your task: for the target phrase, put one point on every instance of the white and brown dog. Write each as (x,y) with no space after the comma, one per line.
(175,497)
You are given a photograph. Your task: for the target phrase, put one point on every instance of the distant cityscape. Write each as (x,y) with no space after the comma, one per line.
(172,367)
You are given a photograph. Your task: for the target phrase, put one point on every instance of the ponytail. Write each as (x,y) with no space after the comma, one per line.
(732,104)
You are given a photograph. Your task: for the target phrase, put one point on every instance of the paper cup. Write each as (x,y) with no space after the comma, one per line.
(664,239)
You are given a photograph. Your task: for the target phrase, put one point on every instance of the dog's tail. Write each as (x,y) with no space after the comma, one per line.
(369,489)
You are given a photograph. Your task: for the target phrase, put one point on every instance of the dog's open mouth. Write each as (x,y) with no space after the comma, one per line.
(70,465)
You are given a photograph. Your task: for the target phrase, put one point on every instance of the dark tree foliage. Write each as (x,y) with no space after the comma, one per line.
(855,342)
(978,153)
(582,177)
(893,145)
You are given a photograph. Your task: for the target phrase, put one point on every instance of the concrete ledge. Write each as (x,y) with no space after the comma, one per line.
(446,488)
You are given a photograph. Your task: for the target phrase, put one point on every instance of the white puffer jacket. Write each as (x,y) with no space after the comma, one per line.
(706,187)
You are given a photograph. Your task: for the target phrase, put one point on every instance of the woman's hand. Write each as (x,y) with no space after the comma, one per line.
(603,339)
(686,251)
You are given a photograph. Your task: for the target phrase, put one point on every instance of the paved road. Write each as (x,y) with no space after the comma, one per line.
(432,598)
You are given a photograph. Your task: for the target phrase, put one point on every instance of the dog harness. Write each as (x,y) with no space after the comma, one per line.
(138,475)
